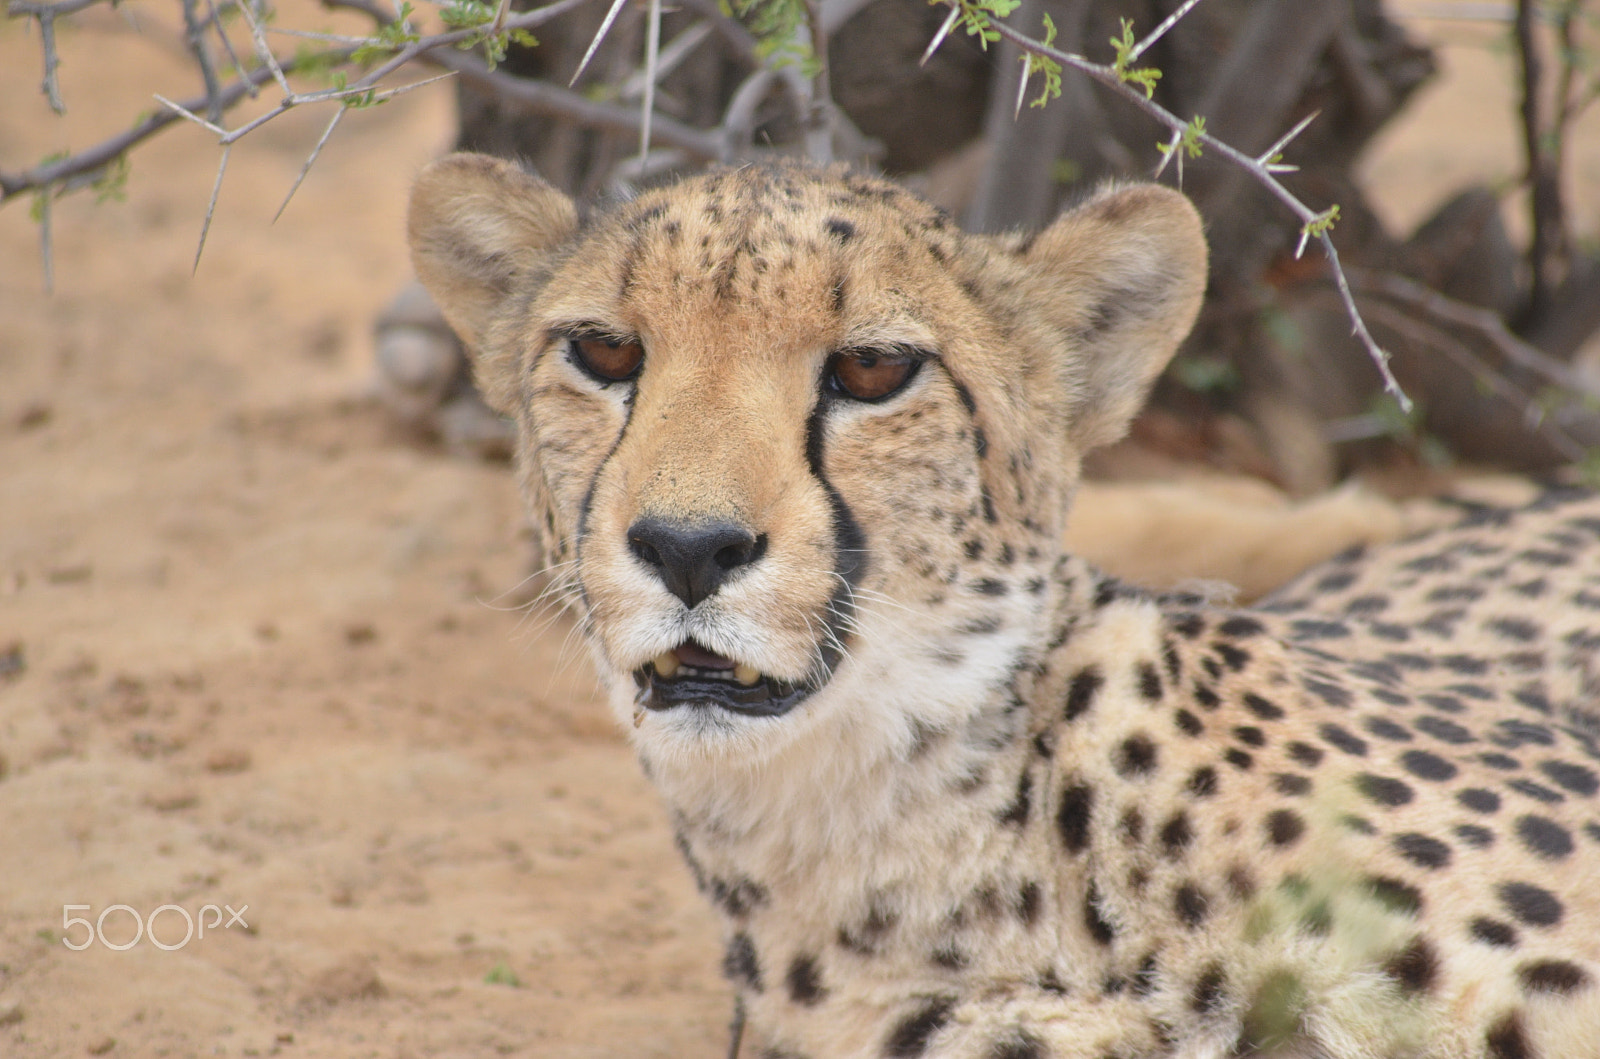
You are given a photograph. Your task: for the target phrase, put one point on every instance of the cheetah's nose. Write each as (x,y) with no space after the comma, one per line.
(694,559)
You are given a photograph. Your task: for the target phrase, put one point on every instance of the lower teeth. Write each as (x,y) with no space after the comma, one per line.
(749,676)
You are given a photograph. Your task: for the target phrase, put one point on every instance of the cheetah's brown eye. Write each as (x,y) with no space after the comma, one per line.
(607,359)
(869,374)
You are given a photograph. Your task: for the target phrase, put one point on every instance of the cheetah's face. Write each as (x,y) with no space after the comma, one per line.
(797,445)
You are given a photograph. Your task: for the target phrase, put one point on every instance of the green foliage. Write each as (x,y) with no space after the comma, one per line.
(1051,69)
(479,15)
(391,38)
(1189,140)
(1322,223)
(776,25)
(501,974)
(1146,76)
(1206,374)
(975,17)
(111,185)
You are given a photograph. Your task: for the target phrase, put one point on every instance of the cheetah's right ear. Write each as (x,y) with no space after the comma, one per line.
(480,228)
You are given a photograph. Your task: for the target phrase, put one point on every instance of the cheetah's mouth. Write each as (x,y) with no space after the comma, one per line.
(691,675)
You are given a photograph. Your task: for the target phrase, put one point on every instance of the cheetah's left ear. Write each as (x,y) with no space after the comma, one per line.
(1120,279)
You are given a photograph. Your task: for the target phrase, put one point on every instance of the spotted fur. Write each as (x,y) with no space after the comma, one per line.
(1011,808)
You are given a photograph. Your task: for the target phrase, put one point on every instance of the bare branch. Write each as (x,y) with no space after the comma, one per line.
(194,30)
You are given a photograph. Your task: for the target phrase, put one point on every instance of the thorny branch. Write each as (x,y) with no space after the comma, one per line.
(46,15)
(1263,169)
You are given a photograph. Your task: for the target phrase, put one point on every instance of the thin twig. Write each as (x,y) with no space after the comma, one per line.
(46,15)
(652,59)
(211,207)
(600,34)
(310,160)
(227,45)
(47,241)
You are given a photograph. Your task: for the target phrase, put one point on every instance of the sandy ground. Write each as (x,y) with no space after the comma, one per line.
(257,652)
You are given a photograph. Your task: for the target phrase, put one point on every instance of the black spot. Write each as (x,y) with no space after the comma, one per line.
(1203,782)
(1020,1045)
(1021,803)
(1475,836)
(1176,834)
(1422,850)
(1446,731)
(1315,629)
(1332,694)
(1513,733)
(912,1034)
(1239,759)
(1341,739)
(1099,929)
(1149,682)
(1506,1041)
(1537,791)
(1531,904)
(1384,728)
(1241,625)
(1493,932)
(1188,723)
(950,958)
(1081,692)
(1415,967)
(1208,990)
(1283,827)
(805,981)
(1444,703)
(863,939)
(739,897)
(1249,735)
(1132,826)
(1072,820)
(1291,783)
(1305,754)
(1426,765)
(1263,708)
(1050,982)
(1504,762)
(1136,756)
(1359,825)
(842,229)
(739,963)
(1240,884)
(1144,979)
(1575,778)
(1395,895)
(1191,904)
(1552,976)
(1544,837)
(1479,800)
(990,586)
(1384,789)
(1190,625)
(1207,698)
(1029,900)
(1235,658)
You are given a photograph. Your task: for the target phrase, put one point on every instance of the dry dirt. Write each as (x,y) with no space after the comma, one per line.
(257,651)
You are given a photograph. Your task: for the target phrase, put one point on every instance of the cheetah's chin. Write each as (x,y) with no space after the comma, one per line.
(690,675)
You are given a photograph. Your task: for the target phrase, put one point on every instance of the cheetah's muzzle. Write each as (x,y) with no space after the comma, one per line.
(691,675)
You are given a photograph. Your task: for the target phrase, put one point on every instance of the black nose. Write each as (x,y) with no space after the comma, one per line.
(694,559)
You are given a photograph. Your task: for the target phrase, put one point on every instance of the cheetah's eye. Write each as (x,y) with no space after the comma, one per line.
(607,358)
(871,374)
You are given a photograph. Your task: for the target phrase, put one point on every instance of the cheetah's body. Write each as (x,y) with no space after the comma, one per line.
(988,803)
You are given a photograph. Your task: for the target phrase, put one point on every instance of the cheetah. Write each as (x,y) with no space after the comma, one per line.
(801,453)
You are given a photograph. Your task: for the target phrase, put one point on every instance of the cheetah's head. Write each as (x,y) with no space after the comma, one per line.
(801,450)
